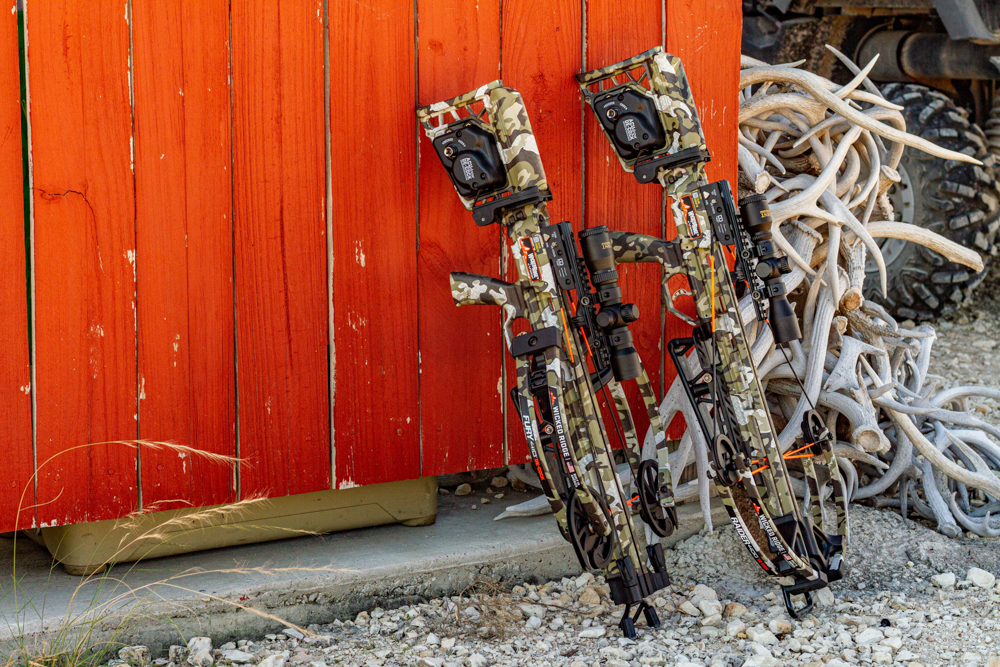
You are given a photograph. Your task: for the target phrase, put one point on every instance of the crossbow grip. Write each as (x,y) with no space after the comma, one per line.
(472,289)
(632,248)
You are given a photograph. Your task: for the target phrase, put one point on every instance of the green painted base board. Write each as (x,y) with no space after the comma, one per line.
(85,548)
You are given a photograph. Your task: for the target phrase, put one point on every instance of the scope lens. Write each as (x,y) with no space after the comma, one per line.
(597,251)
(756,215)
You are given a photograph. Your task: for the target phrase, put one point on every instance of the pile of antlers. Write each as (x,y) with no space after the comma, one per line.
(825,156)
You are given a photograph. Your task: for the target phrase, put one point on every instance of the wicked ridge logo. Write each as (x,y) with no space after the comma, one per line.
(690,216)
(530,258)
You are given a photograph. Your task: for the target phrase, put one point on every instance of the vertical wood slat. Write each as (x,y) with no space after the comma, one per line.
(706,37)
(542,47)
(619,29)
(84,244)
(184,249)
(16,465)
(461,349)
(376,410)
(280,246)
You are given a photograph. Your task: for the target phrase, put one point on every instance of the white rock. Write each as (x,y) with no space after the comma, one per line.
(981,578)
(533,610)
(893,643)
(430,662)
(200,652)
(584,579)
(276,660)
(477,660)
(824,597)
(237,655)
(944,580)
(448,642)
(704,592)
(712,620)
(689,609)
(533,622)
(432,639)
(292,632)
(735,627)
(868,637)
(471,613)
(906,656)
(760,661)
(613,652)
(779,626)
(882,657)
(593,632)
(135,655)
(759,633)
(710,607)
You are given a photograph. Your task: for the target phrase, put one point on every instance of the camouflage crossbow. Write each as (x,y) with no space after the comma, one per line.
(579,343)
(645,107)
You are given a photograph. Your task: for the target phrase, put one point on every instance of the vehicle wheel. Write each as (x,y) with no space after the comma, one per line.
(957,200)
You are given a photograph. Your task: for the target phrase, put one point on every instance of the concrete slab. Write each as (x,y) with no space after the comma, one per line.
(247,590)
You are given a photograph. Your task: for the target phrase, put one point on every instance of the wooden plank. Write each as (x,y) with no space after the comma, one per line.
(280,236)
(616,30)
(84,245)
(705,34)
(374,135)
(184,249)
(16,465)
(461,349)
(542,45)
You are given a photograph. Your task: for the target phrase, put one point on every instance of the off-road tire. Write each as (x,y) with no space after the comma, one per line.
(959,201)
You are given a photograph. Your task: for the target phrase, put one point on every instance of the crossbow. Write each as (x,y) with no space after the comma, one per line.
(645,107)
(579,344)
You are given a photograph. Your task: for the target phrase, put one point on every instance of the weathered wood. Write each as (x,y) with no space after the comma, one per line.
(16,465)
(619,29)
(280,234)
(374,137)
(184,248)
(461,349)
(84,260)
(542,46)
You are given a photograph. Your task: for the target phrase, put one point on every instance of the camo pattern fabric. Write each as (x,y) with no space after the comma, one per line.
(767,485)
(473,289)
(517,142)
(589,451)
(638,248)
(670,94)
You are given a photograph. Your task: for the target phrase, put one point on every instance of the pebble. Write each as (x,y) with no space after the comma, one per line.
(593,632)
(735,609)
(981,578)
(200,652)
(463,490)
(135,655)
(944,580)
(868,637)
(499,482)
(689,608)
(589,597)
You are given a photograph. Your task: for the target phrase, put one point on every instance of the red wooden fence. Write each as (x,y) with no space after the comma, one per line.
(198,272)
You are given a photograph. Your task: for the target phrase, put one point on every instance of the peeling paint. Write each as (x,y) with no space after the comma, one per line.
(26,389)
(348,484)
(142,388)
(359,253)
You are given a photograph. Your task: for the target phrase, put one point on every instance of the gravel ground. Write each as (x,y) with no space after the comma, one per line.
(911,597)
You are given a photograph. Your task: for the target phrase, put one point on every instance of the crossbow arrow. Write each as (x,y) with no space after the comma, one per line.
(579,344)
(645,107)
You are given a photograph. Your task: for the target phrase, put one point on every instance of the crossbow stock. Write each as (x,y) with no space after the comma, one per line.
(579,343)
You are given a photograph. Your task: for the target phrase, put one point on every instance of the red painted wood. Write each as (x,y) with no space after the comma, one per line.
(280,235)
(374,135)
(616,30)
(705,34)
(184,249)
(542,46)
(84,240)
(16,465)
(461,349)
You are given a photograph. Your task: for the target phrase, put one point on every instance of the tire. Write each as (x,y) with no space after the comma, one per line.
(957,200)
